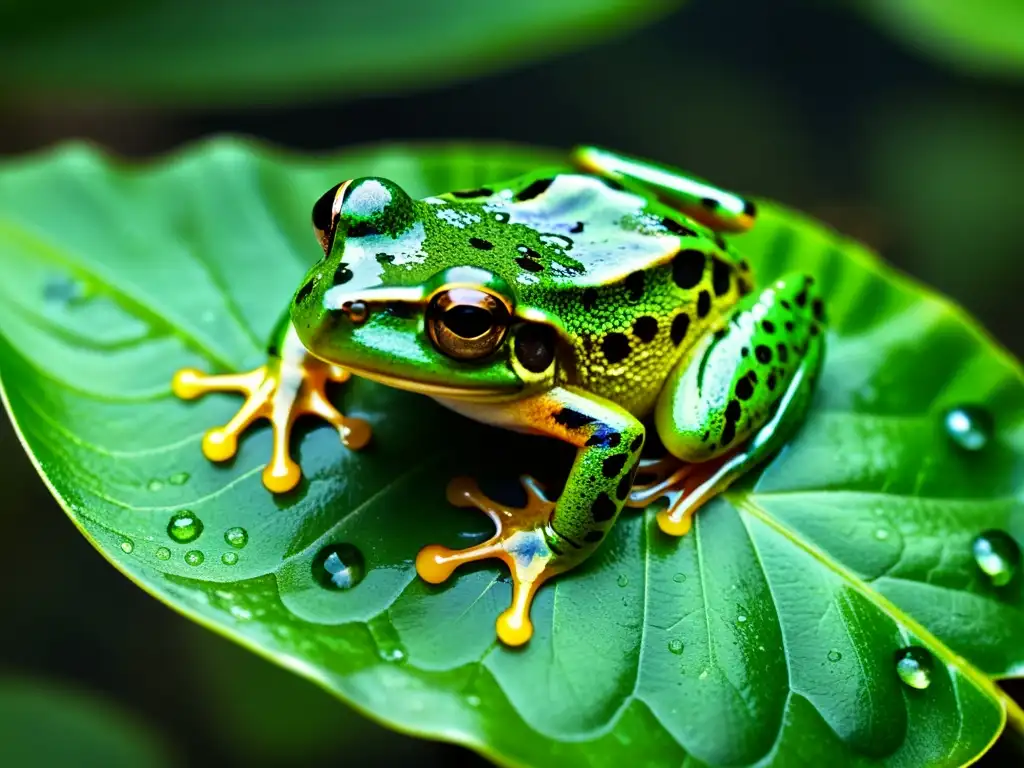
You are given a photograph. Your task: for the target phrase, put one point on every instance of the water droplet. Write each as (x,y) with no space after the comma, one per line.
(997,555)
(155,485)
(881,534)
(63,289)
(679,578)
(914,666)
(741,618)
(179,478)
(194,557)
(473,700)
(229,558)
(339,566)
(184,527)
(163,554)
(969,427)
(623,580)
(236,537)
(834,656)
(127,546)
(240,613)
(385,636)
(676,646)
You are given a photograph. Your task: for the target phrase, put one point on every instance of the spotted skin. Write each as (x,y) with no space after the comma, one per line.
(728,385)
(571,304)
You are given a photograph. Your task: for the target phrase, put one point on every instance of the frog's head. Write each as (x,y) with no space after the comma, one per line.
(395,300)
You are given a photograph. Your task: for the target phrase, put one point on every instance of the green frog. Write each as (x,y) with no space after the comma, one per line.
(588,304)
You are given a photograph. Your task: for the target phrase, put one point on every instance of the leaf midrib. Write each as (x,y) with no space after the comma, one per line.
(1009,708)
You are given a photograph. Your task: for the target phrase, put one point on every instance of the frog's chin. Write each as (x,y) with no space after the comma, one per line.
(441,391)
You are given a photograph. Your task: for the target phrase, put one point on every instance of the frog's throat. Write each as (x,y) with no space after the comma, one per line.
(476,394)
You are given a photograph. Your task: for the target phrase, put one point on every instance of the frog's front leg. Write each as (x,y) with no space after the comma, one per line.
(291,384)
(545,538)
(736,398)
(712,206)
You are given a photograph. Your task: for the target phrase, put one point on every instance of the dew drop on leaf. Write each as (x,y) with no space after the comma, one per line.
(676,646)
(473,700)
(969,427)
(339,566)
(679,578)
(236,537)
(881,534)
(163,554)
(229,558)
(914,666)
(63,289)
(385,636)
(997,555)
(194,557)
(179,478)
(623,580)
(184,527)
(127,546)
(155,484)
(834,656)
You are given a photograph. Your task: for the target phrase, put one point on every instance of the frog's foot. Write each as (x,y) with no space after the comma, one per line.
(524,541)
(686,487)
(281,392)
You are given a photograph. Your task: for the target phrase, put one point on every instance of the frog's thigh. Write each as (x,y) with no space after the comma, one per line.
(732,384)
(712,206)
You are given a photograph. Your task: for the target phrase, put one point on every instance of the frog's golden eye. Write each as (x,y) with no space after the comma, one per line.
(467,324)
(326,211)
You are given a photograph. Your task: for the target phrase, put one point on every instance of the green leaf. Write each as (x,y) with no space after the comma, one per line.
(768,633)
(210,51)
(42,724)
(979,36)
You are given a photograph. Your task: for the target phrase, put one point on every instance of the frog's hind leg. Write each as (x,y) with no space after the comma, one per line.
(712,206)
(736,398)
(545,537)
(292,383)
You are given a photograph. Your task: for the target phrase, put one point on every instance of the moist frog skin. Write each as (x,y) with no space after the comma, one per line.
(589,304)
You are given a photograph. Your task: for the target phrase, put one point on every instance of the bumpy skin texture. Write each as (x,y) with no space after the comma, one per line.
(571,305)
(630,284)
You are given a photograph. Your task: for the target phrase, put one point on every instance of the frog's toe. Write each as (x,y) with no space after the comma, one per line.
(280,392)
(686,489)
(522,541)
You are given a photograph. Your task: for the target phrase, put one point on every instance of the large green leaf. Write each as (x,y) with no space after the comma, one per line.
(768,633)
(216,50)
(980,36)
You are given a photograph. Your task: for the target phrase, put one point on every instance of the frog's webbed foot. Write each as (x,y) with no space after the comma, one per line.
(524,541)
(685,486)
(281,391)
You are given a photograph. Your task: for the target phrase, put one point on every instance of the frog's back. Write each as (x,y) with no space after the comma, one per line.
(633,283)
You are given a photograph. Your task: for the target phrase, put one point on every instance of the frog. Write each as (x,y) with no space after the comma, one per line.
(592,303)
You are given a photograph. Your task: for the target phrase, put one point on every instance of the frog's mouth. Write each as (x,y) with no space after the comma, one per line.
(476,394)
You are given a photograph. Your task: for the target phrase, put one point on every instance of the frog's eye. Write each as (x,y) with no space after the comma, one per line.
(325,215)
(467,324)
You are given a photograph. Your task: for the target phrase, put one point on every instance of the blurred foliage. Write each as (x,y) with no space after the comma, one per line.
(189,51)
(984,37)
(949,173)
(43,725)
(767,595)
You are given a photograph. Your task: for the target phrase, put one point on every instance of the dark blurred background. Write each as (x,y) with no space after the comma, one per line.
(918,153)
